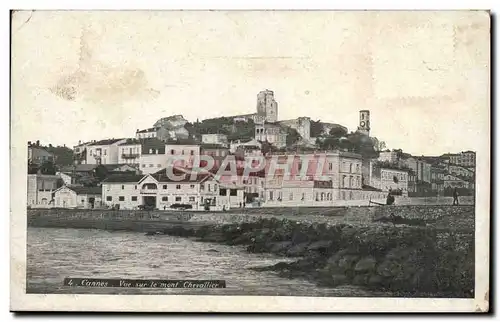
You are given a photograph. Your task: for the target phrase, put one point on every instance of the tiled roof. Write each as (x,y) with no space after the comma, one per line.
(152,143)
(105,142)
(151,129)
(131,141)
(86,190)
(125,178)
(163,176)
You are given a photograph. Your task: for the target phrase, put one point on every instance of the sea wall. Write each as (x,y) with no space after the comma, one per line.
(456,217)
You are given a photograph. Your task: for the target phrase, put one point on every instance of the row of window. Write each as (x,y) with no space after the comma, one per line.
(152,186)
(164,198)
(391,175)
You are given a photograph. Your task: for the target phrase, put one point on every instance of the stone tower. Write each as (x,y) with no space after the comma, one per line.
(364,122)
(267,106)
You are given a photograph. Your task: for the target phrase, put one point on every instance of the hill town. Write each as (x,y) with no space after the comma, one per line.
(248,160)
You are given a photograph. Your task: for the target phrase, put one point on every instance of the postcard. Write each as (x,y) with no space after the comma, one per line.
(250,161)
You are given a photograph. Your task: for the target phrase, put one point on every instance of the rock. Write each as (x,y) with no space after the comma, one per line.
(366,264)
(389,268)
(319,245)
(338,279)
(375,280)
(280,247)
(347,262)
(361,279)
(297,250)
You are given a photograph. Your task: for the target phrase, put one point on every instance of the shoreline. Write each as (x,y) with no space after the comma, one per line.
(404,250)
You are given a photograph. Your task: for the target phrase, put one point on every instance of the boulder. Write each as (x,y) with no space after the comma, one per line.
(366,264)
(297,250)
(319,245)
(347,262)
(280,247)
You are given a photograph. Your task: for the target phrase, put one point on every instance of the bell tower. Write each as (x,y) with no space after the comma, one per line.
(364,122)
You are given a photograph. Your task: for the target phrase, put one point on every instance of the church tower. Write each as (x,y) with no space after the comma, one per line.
(364,122)
(267,107)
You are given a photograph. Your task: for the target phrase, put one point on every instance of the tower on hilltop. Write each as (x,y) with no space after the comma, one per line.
(364,122)
(267,107)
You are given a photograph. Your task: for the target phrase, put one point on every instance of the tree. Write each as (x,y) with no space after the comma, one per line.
(337,132)
(48,167)
(292,136)
(316,128)
(100,172)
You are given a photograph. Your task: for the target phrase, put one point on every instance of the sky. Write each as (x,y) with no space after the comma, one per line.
(424,76)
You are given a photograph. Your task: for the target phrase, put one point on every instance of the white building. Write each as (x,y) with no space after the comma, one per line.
(78,197)
(252,143)
(200,191)
(41,188)
(389,179)
(214,139)
(104,151)
(389,156)
(272,133)
(130,152)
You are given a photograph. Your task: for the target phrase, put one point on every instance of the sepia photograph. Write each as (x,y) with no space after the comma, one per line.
(265,160)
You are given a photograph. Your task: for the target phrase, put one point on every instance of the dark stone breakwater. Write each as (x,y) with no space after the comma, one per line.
(415,251)
(404,260)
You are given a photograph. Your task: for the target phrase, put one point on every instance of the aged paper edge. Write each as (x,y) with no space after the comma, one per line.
(20,301)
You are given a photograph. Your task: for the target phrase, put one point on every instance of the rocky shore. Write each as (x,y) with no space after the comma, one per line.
(404,258)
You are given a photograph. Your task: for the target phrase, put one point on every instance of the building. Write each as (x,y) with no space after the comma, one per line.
(186,148)
(41,188)
(153,157)
(80,152)
(272,133)
(309,174)
(200,190)
(389,156)
(267,106)
(364,122)
(437,179)
(217,152)
(78,197)
(148,133)
(466,159)
(461,171)
(38,154)
(451,182)
(389,178)
(220,139)
(420,167)
(235,145)
(130,152)
(104,151)
(301,124)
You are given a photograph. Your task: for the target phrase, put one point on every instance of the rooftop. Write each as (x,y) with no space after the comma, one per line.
(105,142)
(86,190)
(151,129)
(123,178)
(131,141)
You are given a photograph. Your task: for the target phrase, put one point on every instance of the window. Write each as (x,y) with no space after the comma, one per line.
(222,192)
(134,198)
(330,166)
(143,165)
(164,187)
(202,187)
(123,187)
(172,152)
(357,168)
(105,151)
(159,165)
(215,187)
(83,200)
(290,197)
(182,152)
(191,199)
(303,196)
(271,197)
(178,198)
(192,152)
(178,187)
(164,198)
(300,166)
(350,167)
(191,186)
(135,187)
(109,198)
(121,198)
(233,192)
(151,165)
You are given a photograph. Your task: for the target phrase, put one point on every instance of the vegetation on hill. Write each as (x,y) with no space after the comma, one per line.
(62,154)
(244,131)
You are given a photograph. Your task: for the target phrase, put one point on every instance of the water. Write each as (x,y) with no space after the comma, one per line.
(55,253)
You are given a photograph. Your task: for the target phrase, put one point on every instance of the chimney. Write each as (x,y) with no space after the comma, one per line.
(136,130)
(29,143)
(79,142)
(37,142)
